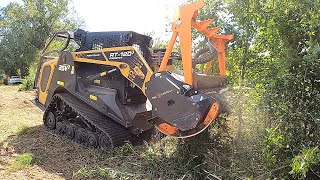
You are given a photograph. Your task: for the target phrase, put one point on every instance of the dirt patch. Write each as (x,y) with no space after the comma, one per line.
(58,158)
(25,104)
(11,98)
(53,154)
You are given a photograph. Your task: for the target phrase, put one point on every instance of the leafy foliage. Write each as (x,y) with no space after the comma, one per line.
(273,144)
(26,28)
(303,162)
(28,81)
(276,51)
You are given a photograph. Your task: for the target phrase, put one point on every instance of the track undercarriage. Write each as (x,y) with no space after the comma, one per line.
(70,117)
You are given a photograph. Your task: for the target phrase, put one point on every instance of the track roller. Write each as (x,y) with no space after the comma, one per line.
(60,128)
(105,143)
(80,136)
(59,106)
(70,131)
(50,120)
(93,140)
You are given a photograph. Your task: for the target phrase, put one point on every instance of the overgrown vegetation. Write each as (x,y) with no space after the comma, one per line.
(276,52)
(169,158)
(305,162)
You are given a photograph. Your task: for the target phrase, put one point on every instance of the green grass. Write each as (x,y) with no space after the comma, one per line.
(97,172)
(25,159)
(22,161)
(24,130)
(125,150)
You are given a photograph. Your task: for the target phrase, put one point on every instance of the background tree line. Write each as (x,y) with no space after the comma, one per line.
(26,26)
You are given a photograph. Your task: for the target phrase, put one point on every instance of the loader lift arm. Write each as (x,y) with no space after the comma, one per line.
(182,27)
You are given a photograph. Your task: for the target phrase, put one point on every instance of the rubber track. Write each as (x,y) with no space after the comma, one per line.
(116,132)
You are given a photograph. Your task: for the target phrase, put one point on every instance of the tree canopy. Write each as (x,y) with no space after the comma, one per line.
(26,27)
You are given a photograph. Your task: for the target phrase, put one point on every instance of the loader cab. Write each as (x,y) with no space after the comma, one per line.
(80,41)
(58,43)
(127,92)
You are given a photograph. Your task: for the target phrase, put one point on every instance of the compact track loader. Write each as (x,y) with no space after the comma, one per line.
(113,88)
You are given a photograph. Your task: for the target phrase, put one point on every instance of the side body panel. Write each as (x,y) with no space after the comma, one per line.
(45,79)
(129,61)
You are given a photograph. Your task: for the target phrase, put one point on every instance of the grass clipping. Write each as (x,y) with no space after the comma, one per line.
(170,158)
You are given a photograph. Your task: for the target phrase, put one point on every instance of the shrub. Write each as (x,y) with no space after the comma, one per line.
(27,82)
(273,145)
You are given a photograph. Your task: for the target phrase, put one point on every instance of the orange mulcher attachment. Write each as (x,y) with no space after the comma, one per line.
(181,26)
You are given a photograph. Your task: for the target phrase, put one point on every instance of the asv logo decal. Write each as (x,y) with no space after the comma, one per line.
(92,55)
(120,55)
(64,67)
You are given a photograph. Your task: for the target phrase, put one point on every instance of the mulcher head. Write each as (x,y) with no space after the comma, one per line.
(182,107)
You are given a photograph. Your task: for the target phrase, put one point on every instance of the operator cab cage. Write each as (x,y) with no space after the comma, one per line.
(99,40)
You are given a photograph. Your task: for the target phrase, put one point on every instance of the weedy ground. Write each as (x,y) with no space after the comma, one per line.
(29,151)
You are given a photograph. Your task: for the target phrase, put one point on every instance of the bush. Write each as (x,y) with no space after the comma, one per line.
(273,146)
(27,84)
(28,81)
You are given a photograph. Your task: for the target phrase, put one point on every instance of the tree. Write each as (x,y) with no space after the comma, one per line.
(27,27)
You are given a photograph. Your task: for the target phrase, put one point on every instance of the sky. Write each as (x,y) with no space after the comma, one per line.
(142,16)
